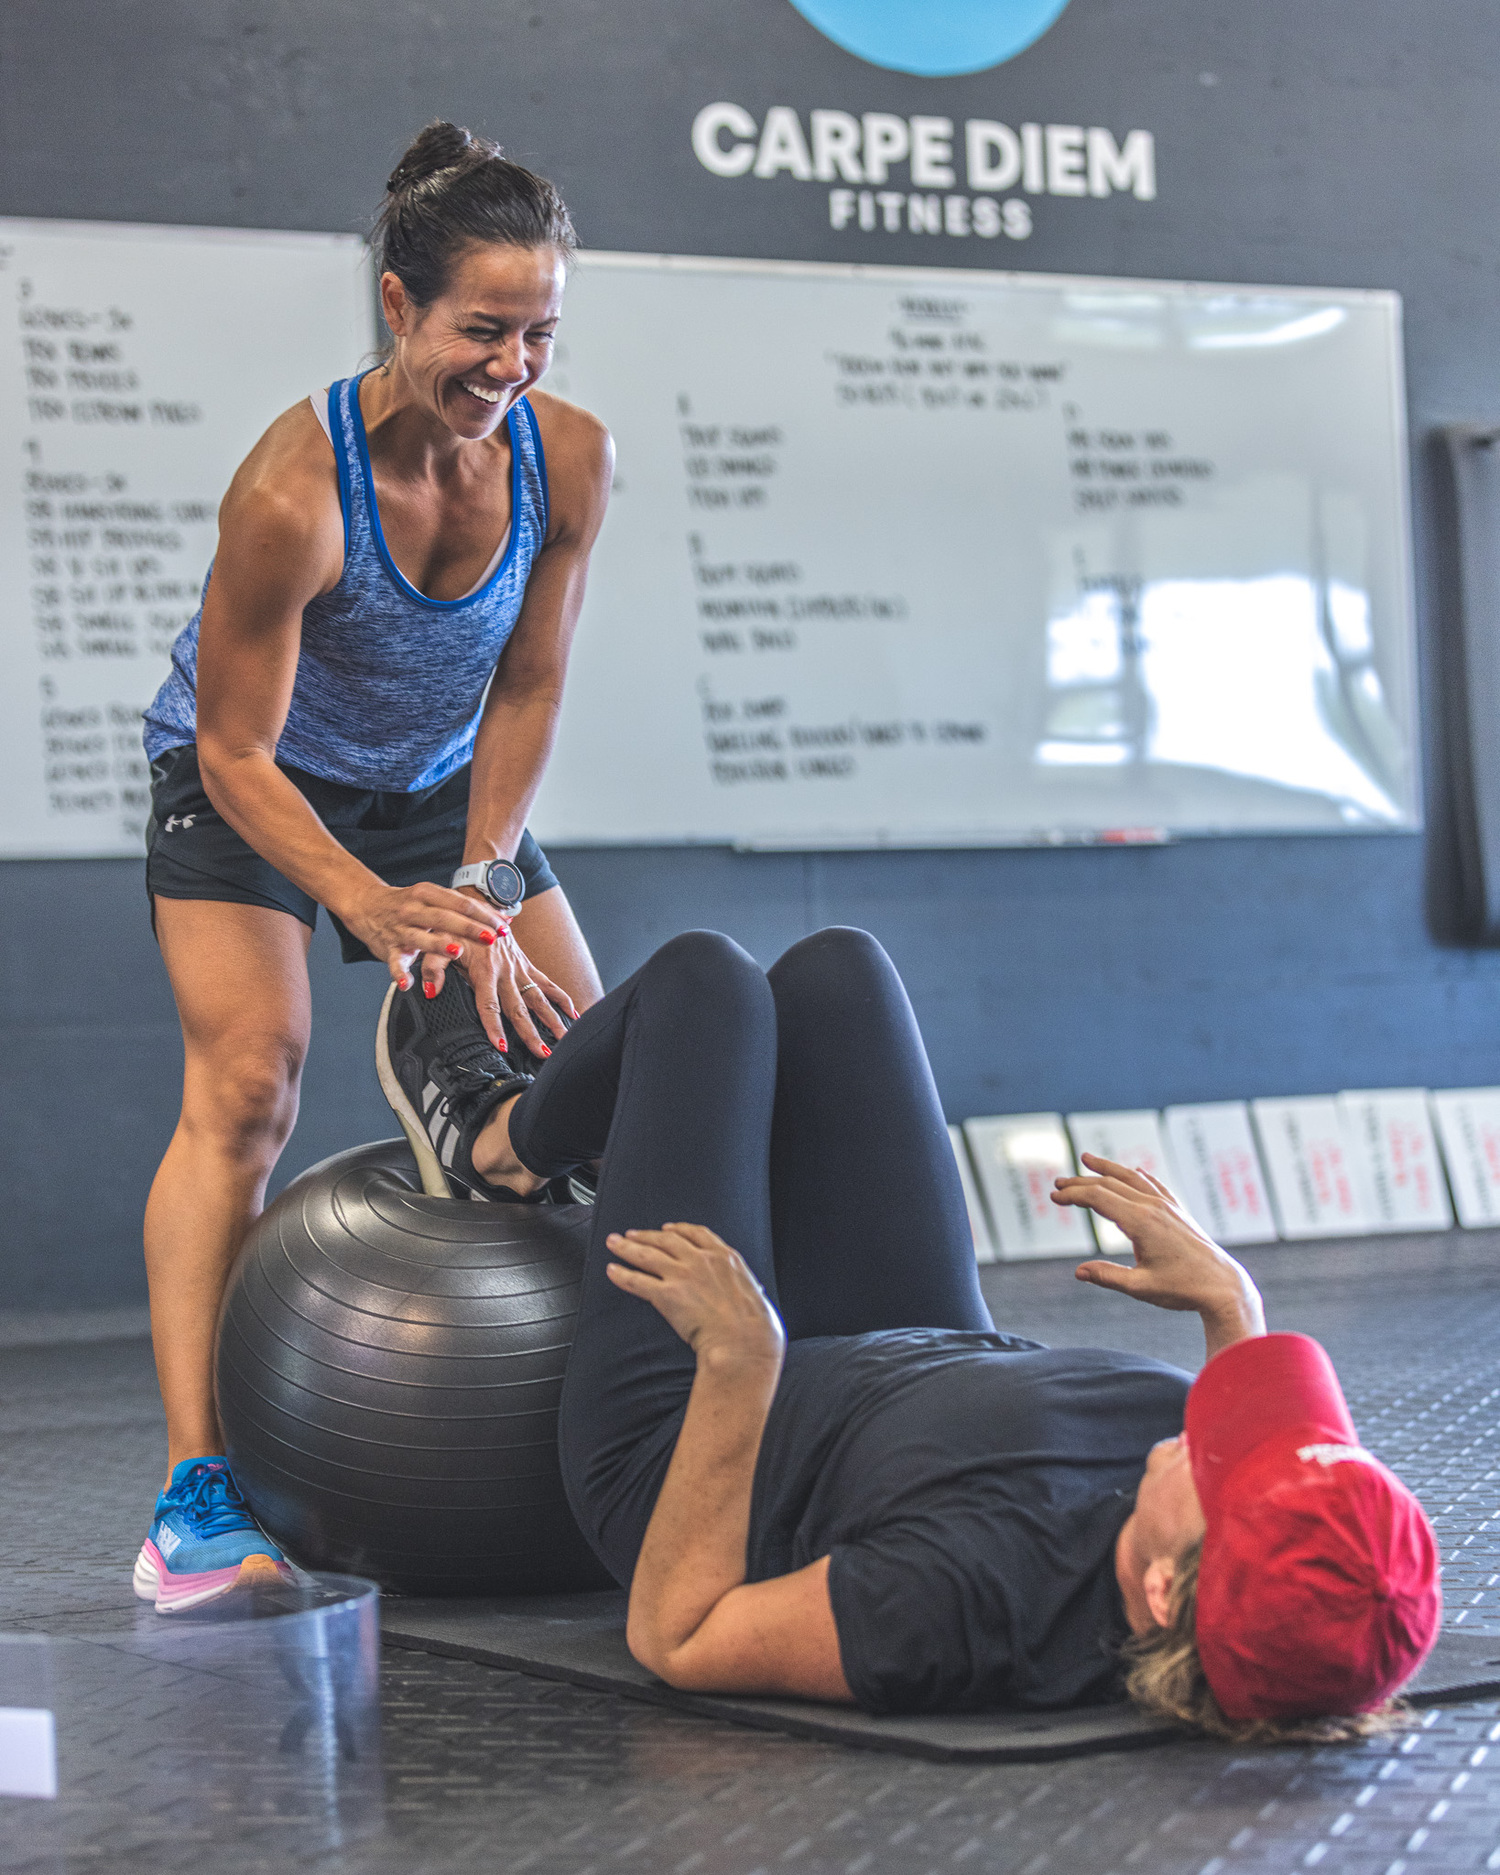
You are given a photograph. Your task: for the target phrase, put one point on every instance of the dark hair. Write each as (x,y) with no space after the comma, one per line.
(452,189)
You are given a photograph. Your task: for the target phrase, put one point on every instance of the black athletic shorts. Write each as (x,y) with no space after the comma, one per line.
(191,852)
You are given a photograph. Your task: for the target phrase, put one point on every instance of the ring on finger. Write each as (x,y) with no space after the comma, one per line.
(525,988)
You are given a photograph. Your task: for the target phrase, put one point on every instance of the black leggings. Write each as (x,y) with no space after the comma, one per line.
(793,1112)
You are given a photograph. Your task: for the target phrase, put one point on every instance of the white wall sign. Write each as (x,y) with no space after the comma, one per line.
(1468,1123)
(971,181)
(137,367)
(1132,1138)
(1315,1188)
(1218,1171)
(1397,1158)
(938,557)
(1017,1157)
(979,1223)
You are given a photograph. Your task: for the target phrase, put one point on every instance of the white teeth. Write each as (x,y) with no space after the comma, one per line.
(478,390)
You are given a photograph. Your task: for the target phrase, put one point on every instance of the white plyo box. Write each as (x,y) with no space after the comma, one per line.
(28,1752)
(979,1224)
(1016,1158)
(1314,1185)
(1218,1172)
(1398,1158)
(1132,1138)
(1468,1124)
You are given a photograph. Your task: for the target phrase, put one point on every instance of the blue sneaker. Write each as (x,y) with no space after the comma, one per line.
(203,1541)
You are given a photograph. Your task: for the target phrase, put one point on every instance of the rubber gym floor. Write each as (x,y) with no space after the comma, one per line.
(494,1771)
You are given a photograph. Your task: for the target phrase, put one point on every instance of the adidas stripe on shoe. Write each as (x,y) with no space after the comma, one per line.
(443,1078)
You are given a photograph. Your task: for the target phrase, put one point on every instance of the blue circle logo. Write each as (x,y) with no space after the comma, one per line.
(932,38)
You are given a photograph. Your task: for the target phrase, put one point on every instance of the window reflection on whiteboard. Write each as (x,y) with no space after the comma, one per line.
(1272,679)
(1260,645)
(1242,643)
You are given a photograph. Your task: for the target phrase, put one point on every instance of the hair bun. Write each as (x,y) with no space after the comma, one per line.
(440,146)
(452,189)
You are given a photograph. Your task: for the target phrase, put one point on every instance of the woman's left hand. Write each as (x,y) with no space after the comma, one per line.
(705,1290)
(504,978)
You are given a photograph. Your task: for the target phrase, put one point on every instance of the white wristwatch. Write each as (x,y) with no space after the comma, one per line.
(501,881)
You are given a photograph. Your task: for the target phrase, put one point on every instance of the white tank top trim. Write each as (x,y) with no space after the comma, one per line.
(319,402)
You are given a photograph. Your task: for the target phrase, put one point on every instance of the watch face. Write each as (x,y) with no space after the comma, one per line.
(504,883)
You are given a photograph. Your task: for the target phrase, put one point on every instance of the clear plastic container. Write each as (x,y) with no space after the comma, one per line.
(257,1716)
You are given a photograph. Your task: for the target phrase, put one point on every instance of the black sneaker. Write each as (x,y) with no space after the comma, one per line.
(444,1078)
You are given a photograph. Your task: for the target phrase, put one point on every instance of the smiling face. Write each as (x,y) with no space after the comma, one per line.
(1167,1518)
(484,341)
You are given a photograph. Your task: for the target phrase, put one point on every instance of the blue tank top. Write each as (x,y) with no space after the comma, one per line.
(389,682)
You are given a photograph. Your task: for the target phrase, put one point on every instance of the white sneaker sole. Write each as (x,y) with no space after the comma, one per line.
(434,1179)
(154,1583)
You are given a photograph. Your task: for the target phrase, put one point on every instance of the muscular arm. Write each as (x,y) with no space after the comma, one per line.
(1176,1265)
(520,715)
(693,1618)
(280,545)
(519,722)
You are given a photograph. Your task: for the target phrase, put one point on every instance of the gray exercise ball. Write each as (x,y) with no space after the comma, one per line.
(389,1368)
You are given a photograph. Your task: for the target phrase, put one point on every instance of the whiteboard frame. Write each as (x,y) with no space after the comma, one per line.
(612,259)
(943,278)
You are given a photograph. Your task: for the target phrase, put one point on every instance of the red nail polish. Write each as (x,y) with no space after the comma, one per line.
(488,937)
(545,1049)
(405,983)
(429,990)
(454,950)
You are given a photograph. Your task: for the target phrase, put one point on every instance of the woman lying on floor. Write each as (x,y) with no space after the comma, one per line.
(812,1459)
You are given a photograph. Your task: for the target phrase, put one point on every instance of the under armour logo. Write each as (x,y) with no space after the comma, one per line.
(174,822)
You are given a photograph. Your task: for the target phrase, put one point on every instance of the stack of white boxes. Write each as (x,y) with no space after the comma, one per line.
(1316,1165)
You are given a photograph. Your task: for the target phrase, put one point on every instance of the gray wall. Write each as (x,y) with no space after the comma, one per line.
(1351,143)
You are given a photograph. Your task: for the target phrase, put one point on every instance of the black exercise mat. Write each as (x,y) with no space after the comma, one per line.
(581,1639)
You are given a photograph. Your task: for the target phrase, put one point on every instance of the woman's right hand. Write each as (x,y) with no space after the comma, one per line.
(705,1290)
(400,923)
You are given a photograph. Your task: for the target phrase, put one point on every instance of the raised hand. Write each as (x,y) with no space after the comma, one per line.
(705,1290)
(1176,1265)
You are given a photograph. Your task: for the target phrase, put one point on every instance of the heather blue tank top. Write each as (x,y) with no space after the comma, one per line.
(389,682)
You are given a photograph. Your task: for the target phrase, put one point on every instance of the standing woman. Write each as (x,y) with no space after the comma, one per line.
(358,717)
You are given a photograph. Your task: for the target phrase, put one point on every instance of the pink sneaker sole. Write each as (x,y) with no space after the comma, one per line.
(154,1582)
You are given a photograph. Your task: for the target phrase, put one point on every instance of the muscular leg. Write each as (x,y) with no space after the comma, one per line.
(548,933)
(867,1212)
(671,1078)
(239,974)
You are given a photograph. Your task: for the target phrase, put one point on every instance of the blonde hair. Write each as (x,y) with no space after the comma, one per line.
(1164,1676)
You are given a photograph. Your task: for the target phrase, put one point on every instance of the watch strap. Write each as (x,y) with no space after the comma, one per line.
(478,875)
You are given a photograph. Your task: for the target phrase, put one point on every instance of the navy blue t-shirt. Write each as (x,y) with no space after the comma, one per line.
(969,1489)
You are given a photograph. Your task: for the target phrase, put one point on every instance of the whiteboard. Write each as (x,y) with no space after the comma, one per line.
(137,367)
(929,557)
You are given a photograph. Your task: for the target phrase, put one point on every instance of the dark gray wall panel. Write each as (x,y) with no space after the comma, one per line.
(1466,489)
(1347,143)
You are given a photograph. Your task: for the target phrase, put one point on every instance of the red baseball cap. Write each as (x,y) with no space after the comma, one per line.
(1318,1585)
